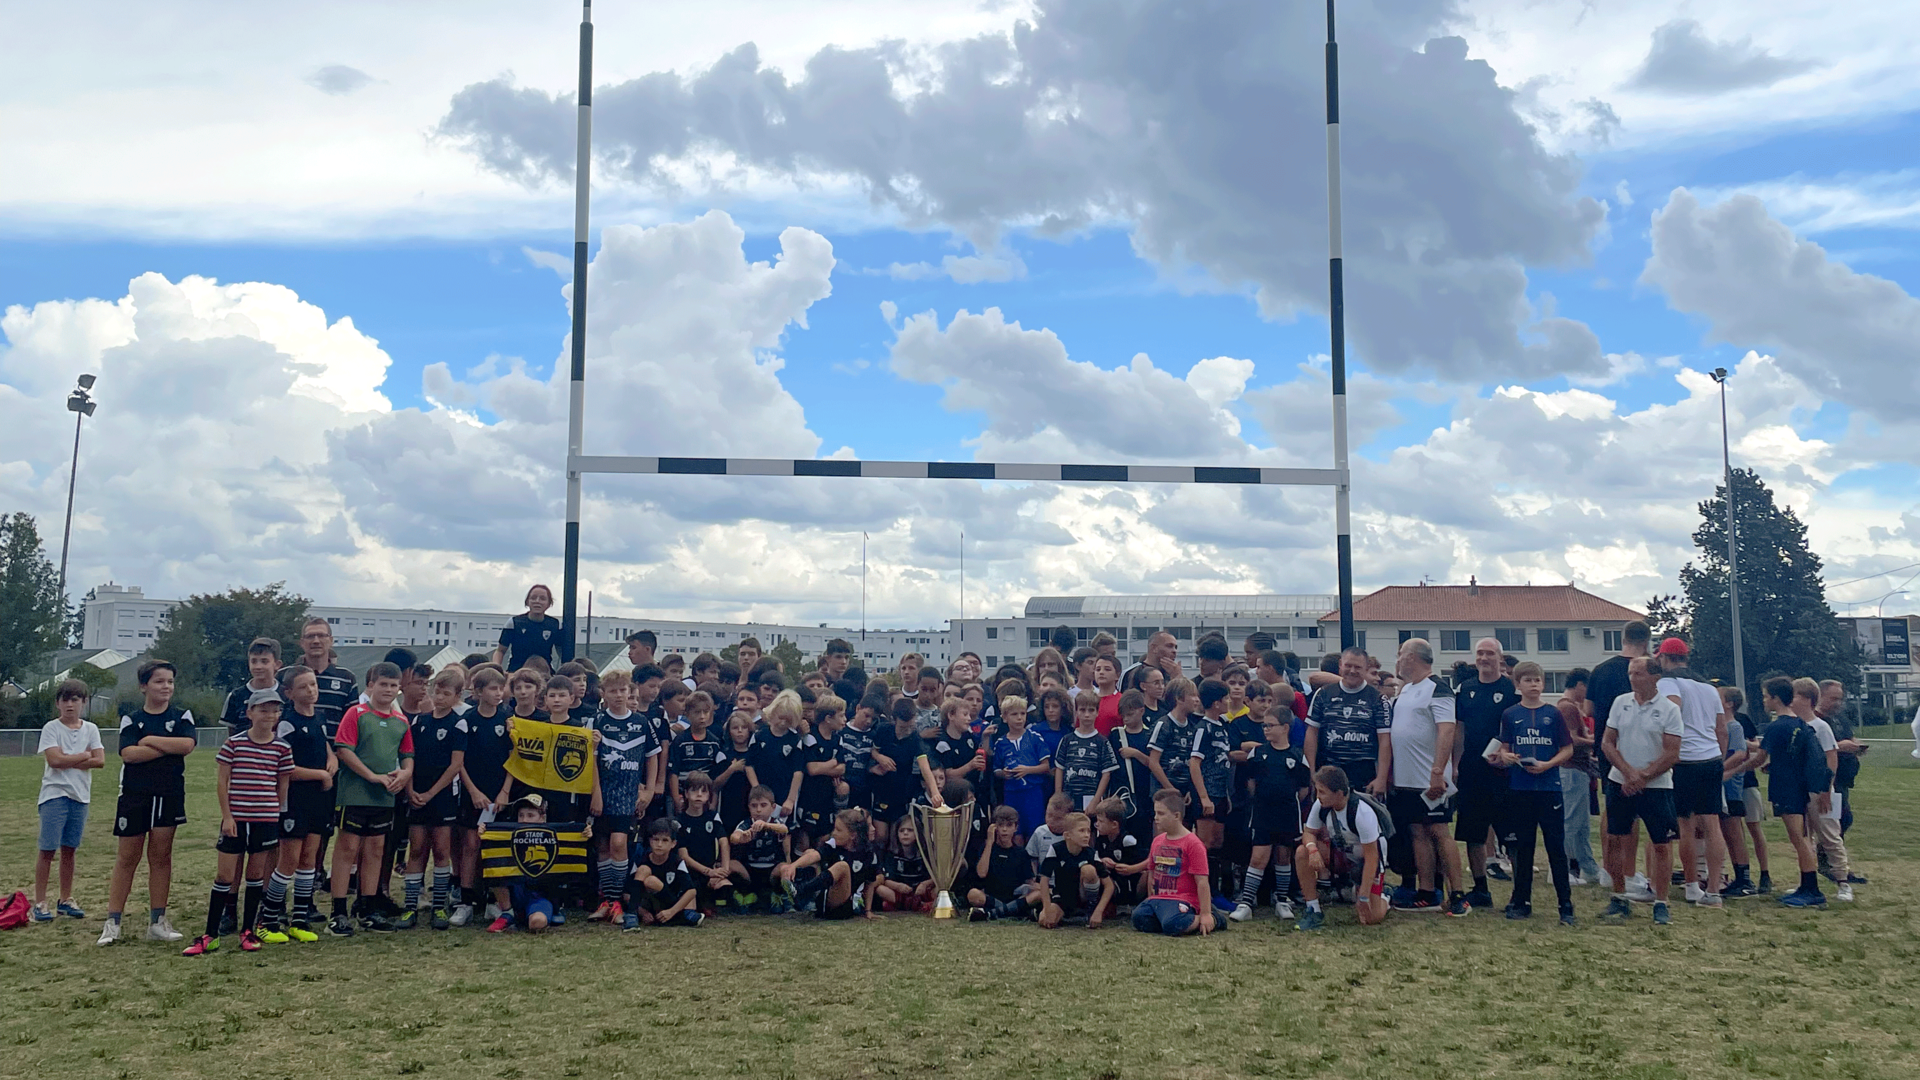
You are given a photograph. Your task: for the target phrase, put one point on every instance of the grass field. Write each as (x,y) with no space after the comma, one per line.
(1752,991)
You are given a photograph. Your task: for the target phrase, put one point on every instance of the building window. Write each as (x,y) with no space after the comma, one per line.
(1409,635)
(1181,633)
(1282,633)
(1036,638)
(993,633)
(1360,640)
(1142,633)
(1313,632)
(1611,640)
(1511,638)
(1553,638)
(1556,682)
(1456,641)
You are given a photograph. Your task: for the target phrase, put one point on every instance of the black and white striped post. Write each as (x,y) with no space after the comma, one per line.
(577,387)
(1337,319)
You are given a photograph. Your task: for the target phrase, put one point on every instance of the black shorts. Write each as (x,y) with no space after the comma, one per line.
(859,796)
(469,816)
(1478,810)
(840,912)
(1797,808)
(1274,823)
(1222,808)
(1737,810)
(249,838)
(137,815)
(1653,807)
(364,820)
(442,809)
(888,808)
(815,821)
(1409,807)
(609,824)
(1359,773)
(308,814)
(1697,789)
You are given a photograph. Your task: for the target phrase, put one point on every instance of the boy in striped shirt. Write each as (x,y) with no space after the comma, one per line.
(256,765)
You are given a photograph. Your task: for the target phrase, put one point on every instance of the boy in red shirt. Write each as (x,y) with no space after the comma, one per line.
(1182,899)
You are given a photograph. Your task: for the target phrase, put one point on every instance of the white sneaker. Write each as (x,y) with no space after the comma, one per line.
(109,934)
(163,931)
(1639,891)
(1694,892)
(1844,892)
(1711,900)
(1283,909)
(462,915)
(493,912)
(1606,879)
(1241,913)
(1576,879)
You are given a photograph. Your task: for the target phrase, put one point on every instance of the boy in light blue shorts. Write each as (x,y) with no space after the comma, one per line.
(72,748)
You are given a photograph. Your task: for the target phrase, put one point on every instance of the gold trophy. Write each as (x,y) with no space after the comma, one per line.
(943,834)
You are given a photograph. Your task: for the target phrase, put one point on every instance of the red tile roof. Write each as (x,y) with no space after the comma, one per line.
(1485,604)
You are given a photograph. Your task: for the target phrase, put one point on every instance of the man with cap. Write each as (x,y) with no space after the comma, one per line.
(1698,795)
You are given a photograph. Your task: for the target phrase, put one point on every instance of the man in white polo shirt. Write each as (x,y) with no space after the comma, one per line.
(1642,744)
(1699,797)
(1421,793)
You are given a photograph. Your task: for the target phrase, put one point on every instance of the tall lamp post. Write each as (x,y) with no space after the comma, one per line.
(1720,376)
(81,404)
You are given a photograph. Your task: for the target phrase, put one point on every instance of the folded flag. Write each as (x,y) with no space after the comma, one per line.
(551,757)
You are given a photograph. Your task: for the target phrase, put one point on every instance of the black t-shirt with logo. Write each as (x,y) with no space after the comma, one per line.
(774,760)
(862,866)
(166,774)
(762,849)
(434,741)
(949,751)
(1082,761)
(700,836)
(309,742)
(338,693)
(487,750)
(526,639)
(1477,708)
(1062,867)
(1350,723)
(675,878)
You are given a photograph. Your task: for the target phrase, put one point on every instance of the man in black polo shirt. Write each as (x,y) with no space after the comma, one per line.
(1477,708)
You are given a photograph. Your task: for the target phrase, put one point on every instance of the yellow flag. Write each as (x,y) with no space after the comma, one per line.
(552,757)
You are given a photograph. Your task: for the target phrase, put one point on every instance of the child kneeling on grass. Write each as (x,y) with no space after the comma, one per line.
(1343,822)
(849,870)
(1182,897)
(1078,883)
(662,891)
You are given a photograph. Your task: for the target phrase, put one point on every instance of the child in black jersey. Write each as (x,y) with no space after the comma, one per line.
(1076,881)
(848,873)
(1003,875)
(907,886)
(704,841)
(662,891)
(1122,850)
(760,845)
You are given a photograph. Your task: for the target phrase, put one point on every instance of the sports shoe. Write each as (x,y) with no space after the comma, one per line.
(1639,891)
(1739,890)
(1401,898)
(1661,916)
(558,918)
(1618,910)
(978,914)
(630,921)
(1283,909)
(492,911)
(1711,900)
(42,913)
(1843,891)
(267,935)
(1498,872)
(383,923)
(1766,882)
(301,934)
(70,909)
(1480,898)
(250,941)
(1576,878)
(109,934)
(1605,879)
(1798,899)
(462,915)
(201,946)
(1311,920)
(500,924)
(406,920)
(162,930)
(692,918)
(1694,892)
(1566,916)
(1241,912)
(1856,879)
(442,919)
(1679,877)
(1519,911)
(340,926)
(603,913)
(1459,907)
(619,914)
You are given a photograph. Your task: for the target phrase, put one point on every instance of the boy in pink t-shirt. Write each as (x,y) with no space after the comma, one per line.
(1182,900)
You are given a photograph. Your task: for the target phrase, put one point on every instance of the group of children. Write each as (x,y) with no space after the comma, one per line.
(717,787)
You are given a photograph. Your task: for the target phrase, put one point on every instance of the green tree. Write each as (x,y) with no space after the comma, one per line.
(791,662)
(1785,622)
(1666,618)
(33,614)
(96,677)
(206,637)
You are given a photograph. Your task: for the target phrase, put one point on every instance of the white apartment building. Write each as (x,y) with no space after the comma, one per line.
(123,618)
(1293,620)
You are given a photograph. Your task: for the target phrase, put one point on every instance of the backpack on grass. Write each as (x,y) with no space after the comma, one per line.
(14,913)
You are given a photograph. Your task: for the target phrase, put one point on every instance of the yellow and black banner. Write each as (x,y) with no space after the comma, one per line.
(543,853)
(552,757)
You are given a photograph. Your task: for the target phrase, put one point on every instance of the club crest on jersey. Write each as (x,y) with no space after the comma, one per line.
(1498,697)
(441,734)
(570,753)
(500,731)
(534,850)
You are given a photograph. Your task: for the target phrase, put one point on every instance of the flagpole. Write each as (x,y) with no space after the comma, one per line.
(577,384)
(1337,319)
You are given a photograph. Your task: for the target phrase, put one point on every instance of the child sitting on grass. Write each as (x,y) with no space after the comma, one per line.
(1003,875)
(1077,883)
(906,885)
(849,872)
(662,891)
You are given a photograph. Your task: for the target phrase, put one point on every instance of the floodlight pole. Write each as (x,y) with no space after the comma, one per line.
(1733,555)
(577,386)
(1337,318)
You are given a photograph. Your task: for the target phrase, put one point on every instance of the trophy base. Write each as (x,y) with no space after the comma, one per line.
(943,905)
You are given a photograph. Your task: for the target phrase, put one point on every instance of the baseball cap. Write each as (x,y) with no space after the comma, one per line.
(1673,646)
(531,799)
(269,696)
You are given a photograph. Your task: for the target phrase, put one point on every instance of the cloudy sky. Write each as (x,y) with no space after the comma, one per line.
(317,255)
